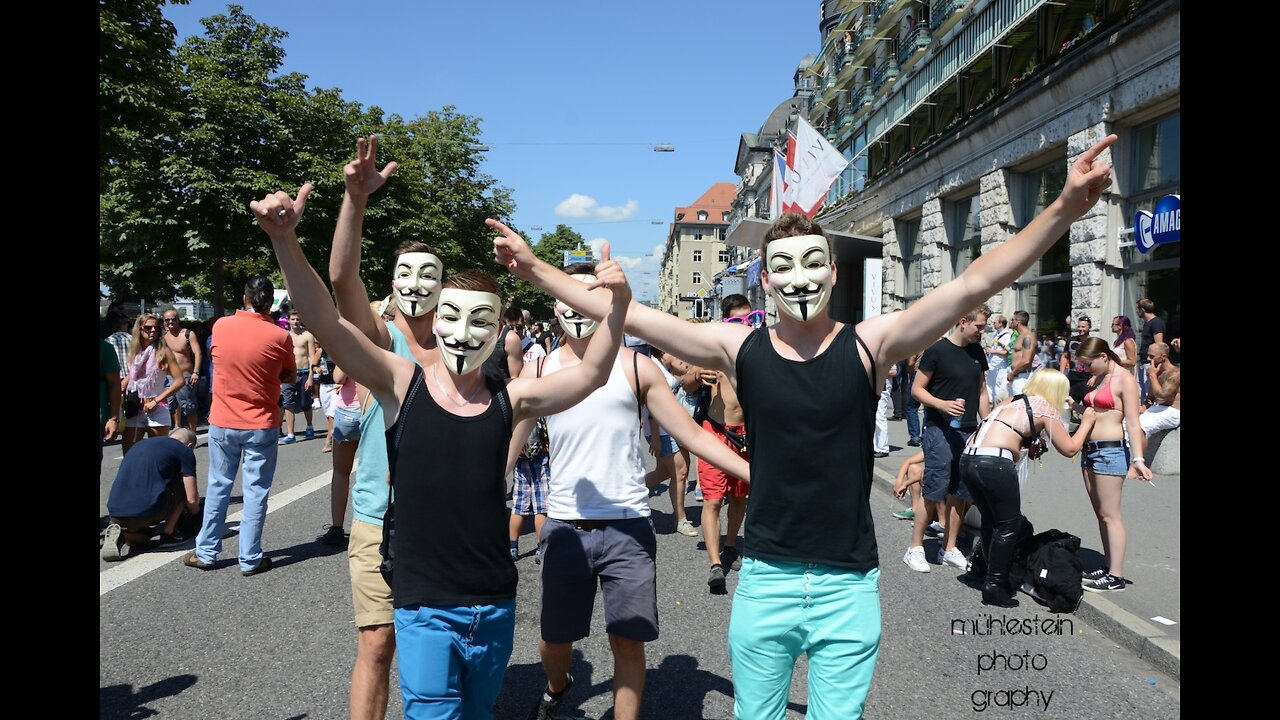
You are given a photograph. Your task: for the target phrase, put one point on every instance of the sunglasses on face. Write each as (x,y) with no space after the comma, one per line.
(755,318)
(171,320)
(150,328)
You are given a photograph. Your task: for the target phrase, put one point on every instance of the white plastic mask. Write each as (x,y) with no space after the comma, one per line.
(466,328)
(577,325)
(800,274)
(417,282)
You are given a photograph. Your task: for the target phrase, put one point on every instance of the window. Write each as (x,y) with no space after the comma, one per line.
(966,234)
(724,216)
(697,234)
(1156,172)
(697,278)
(702,215)
(697,256)
(723,257)
(912,259)
(1045,290)
(721,232)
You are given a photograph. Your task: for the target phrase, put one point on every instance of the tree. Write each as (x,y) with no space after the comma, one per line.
(550,248)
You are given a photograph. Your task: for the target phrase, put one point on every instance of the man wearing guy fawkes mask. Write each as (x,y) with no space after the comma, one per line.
(809,386)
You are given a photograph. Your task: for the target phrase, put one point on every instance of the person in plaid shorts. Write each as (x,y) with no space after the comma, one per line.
(529,491)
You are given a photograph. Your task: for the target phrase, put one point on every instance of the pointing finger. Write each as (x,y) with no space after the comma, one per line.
(1092,153)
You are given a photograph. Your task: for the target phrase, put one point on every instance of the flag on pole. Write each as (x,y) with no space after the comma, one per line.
(777,186)
(813,164)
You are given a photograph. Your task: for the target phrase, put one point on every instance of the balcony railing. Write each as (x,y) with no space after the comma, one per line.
(879,9)
(861,96)
(846,116)
(940,10)
(884,72)
(861,35)
(917,38)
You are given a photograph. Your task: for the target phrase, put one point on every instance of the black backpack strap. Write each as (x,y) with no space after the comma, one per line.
(1031,418)
(499,392)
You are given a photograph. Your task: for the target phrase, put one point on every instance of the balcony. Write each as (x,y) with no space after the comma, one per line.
(861,97)
(884,72)
(879,9)
(917,38)
(940,10)
(846,116)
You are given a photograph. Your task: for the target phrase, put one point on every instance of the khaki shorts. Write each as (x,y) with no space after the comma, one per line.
(369,592)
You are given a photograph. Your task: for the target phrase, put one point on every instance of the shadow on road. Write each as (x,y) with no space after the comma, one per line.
(120,702)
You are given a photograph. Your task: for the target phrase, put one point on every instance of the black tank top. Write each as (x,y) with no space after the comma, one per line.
(451,516)
(809,427)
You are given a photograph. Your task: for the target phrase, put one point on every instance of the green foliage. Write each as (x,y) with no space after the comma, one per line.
(550,248)
(190,136)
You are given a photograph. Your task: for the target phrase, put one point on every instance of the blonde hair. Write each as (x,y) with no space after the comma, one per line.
(1051,385)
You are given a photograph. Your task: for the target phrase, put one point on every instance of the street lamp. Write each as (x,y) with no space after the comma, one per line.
(477,147)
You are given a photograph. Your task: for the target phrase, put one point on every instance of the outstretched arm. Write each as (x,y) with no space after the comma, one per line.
(362,179)
(380,371)
(561,390)
(1066,443)
(894,336)
(709,345)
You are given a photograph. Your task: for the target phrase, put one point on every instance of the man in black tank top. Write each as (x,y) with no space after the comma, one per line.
(808,386)
(454,584)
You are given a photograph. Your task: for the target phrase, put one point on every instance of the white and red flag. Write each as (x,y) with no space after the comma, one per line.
(813,164)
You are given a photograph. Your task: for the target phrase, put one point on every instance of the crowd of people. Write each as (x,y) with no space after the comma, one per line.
(448,398)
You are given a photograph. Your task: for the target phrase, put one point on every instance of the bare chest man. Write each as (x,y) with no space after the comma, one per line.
(304,344)
(179,343)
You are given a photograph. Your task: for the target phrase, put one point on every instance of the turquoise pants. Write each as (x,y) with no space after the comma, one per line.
(783,609)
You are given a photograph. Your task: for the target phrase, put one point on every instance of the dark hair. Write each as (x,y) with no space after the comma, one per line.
(410,246)
(260,292)
(1022,316)
(1147,305)
(474,280)
(1085,318)
(733,302)
(581,268)
(513,315)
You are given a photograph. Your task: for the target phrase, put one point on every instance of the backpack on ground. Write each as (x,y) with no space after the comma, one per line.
(1049,563)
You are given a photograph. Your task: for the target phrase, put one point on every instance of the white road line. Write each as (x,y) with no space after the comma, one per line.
(134,568)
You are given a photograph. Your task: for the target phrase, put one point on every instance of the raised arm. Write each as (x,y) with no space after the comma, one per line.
(667,412)
(362,179)
(561,390)
(380,371)
(894,336)
(713,345)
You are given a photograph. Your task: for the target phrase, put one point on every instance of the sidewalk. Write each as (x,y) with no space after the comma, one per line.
(1054,497)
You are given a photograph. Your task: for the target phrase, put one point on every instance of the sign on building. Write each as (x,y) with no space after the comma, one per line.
(1164,225)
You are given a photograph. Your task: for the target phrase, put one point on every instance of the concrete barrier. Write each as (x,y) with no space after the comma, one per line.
(1164,452)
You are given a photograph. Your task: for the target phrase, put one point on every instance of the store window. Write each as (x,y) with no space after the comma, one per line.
(912,260)
(966,234)
(1157,172)
(1044,291)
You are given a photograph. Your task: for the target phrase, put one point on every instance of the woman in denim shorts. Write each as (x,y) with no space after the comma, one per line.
(345,438)
(1109,457)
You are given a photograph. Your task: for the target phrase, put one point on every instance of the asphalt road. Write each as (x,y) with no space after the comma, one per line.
(176,642)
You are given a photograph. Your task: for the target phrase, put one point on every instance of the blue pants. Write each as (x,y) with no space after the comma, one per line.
(783,609)
(453,659)
(226,448)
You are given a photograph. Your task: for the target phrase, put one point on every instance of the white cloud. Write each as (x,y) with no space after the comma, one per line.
(642,270)
(584,207)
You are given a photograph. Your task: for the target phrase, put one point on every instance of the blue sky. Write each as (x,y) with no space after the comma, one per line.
(572,95)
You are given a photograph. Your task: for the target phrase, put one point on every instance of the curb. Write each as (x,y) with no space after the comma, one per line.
(1121,626)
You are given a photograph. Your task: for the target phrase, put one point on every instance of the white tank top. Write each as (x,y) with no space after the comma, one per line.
(597,471)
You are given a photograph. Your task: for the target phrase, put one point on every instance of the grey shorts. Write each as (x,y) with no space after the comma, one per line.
(293,396)
(621,555)
(942,448)
(185,398)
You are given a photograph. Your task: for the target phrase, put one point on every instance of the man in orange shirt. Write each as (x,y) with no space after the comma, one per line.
(251,357)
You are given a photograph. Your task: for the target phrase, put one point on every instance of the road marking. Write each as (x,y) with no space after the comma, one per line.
(135,568)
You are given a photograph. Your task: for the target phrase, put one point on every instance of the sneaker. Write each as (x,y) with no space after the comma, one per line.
(334,536)
(310,434)
(515,553)
(327,448)
(190,560)
(262,567)
(730,558)
(684,527)
(914,442)
(537,556)
(915,559)
(954,558)
(1092,575)
(548,705)
(715,581)
(882,454)
(1106,583)
(288,440)
(315,403)
(114,548)
(908,514)
(935,530)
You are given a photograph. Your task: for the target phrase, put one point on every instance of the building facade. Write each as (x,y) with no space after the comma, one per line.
(961,120)
(695,252)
